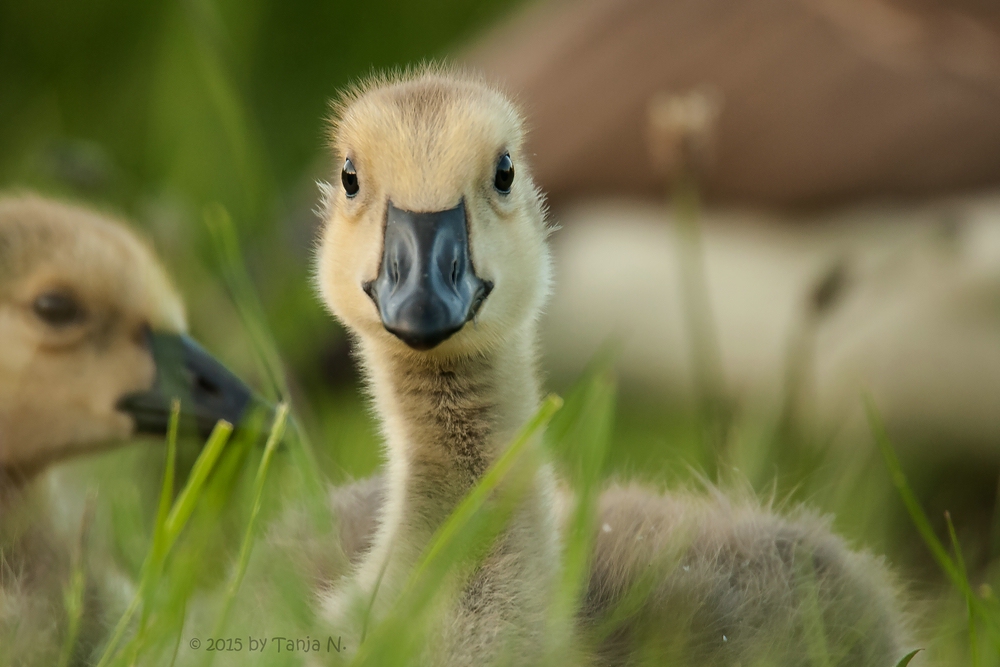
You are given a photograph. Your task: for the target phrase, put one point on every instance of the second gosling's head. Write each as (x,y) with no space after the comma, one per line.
(92,344)
(435,238)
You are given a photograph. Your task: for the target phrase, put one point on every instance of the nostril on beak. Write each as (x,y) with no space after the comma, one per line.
(369,289)
(206,385)
(481,295)
(454,271)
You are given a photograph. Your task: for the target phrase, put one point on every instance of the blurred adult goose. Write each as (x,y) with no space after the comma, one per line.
(92,348)
(434,256)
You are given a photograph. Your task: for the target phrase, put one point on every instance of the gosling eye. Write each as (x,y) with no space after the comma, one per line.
(505,175)
(349,177)
(58,309)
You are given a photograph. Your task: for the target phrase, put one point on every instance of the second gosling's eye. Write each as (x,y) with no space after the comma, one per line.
(58,309)
(349,177)
(505,174)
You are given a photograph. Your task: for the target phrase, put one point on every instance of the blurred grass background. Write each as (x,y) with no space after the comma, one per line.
(156,111)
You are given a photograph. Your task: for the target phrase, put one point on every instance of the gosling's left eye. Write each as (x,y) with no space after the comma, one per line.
(505,174)
(58,309)
(349,177)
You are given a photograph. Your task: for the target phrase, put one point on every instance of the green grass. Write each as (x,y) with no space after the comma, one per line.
(168,528)
(981,609)
(260,589)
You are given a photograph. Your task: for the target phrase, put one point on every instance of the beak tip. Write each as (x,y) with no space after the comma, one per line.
(207,390)
(423,340)
(427,287)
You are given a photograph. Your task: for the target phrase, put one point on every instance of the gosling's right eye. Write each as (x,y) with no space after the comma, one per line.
(58,309)
(504,177)
(349,177)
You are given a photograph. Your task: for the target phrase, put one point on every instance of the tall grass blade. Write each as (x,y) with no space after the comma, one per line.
(714,411)
(581,433)
(77,585)
(916,512)
(188,498)
(277,432)
(954,573)
(162,512)
(169,470)
(251,311)
(446,535)
(908,657)
(167,533)
(237,279)
(969,602)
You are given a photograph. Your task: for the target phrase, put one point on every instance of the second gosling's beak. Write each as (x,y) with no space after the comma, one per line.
(427,288)
(208,391)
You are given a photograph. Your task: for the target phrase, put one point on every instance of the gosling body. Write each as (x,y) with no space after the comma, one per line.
(728,580)
(722,579)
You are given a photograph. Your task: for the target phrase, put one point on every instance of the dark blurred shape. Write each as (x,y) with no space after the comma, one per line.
(830,289)
(822,100)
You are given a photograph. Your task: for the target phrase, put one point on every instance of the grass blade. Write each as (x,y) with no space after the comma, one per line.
(167,533)
(277,432)
(908,657)
(188,498)
(77,585)
(583,432)
(970,602)
(913,507)
(167,488)
(162,512)
(251,311)
(954,571)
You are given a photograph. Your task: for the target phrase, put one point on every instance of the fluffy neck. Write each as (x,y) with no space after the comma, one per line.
(446,421)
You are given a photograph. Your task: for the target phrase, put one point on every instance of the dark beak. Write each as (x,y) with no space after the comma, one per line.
(184,370)
(427,288)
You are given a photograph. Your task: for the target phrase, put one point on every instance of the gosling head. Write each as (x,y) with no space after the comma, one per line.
(435,239)
(91,339)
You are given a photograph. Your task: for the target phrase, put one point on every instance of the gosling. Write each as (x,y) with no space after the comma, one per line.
(92,348)
(435,258)
(427,235)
